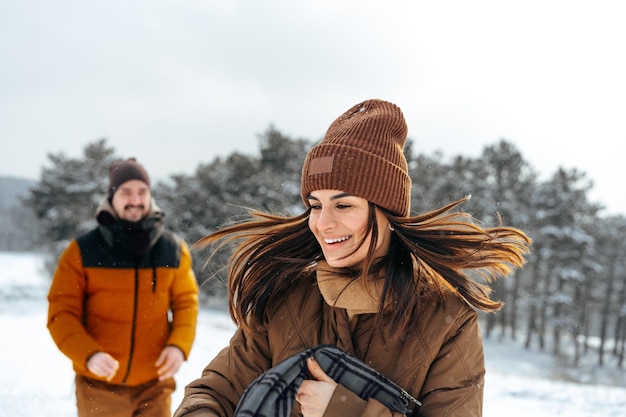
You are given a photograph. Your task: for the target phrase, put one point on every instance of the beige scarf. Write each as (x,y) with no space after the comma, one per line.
(344,292)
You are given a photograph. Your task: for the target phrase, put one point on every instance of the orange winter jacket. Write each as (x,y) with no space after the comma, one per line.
(129,308)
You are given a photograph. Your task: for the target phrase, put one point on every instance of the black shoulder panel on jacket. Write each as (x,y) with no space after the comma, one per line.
(97,254)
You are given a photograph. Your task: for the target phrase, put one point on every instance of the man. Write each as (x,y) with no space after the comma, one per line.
(123,303)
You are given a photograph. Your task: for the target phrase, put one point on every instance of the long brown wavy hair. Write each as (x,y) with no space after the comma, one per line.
(437,251)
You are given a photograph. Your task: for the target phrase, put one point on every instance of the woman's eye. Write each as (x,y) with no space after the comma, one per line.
(315,206)
(343,206)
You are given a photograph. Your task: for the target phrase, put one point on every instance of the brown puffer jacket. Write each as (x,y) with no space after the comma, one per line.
(439,361)
(101,301)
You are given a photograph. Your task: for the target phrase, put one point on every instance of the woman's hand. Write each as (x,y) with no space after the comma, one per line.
(314,395)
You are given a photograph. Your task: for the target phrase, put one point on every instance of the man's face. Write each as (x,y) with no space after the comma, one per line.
(131,201)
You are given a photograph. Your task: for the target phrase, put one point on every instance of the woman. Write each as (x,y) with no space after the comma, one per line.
(356,271)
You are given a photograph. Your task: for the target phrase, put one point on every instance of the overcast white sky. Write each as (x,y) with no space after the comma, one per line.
(177,82)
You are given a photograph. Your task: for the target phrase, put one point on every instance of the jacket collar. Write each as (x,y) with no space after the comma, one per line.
(343,291)
(130,239)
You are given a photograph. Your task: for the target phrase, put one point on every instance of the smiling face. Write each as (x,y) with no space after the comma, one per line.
(339,222)
(131,201)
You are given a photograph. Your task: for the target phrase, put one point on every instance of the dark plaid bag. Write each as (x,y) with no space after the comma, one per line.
(272,394)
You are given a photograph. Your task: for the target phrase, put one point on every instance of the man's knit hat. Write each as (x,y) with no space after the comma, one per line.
(361,154)
(122,171)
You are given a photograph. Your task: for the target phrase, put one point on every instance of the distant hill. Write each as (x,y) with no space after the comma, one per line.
(11,189)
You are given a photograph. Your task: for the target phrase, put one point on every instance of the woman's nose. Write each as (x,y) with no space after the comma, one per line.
(325,220)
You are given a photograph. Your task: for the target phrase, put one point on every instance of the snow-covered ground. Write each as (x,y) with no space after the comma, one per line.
(37,380)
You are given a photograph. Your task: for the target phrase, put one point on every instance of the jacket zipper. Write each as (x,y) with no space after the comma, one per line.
(132,334)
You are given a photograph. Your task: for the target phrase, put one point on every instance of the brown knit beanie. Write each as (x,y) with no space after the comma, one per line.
(361,154)
(122,171)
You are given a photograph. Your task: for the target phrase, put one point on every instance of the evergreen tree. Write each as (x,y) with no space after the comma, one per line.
(610,279)
(499,180)
(67,195)
(429,182)
(563,214)
(225,189)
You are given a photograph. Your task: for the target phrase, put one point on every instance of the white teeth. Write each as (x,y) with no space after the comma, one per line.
(337,240)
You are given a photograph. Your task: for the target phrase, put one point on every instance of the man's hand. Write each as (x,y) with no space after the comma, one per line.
(169,362)
(103,365)
(314,395)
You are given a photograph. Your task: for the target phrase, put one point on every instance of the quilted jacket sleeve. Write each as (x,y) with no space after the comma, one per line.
(65,309)
(454,384)
(184,296)
(217,391)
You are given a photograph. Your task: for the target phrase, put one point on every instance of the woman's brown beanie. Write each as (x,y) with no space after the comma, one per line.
(122,171)
(361,154)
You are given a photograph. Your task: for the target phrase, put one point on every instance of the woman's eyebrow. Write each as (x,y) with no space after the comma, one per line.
(341,195)
(335,197)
